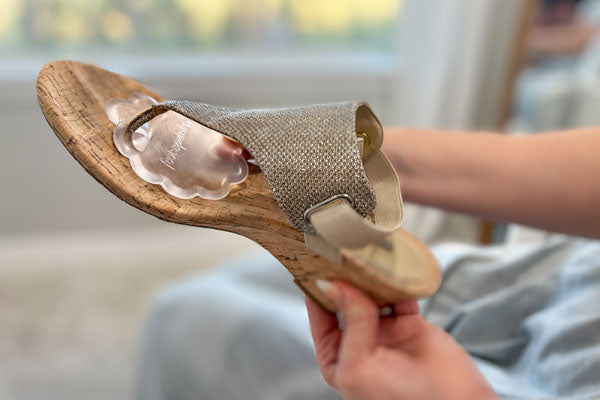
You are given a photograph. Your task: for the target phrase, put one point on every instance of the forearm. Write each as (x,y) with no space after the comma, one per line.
(549,181)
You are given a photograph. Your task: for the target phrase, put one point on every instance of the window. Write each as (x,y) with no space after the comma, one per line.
(174,26)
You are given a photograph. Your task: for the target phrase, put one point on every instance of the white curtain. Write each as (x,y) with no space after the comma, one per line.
(456,57)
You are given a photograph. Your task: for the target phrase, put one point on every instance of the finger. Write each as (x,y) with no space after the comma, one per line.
(407,307)
(229,145)
(327,336)
(228,149)
(402,327)
(361,317)
(321,321)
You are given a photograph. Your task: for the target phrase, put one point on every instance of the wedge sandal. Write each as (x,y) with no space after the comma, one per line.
(322,197)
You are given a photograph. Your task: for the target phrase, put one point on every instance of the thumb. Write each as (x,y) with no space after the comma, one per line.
(360,317)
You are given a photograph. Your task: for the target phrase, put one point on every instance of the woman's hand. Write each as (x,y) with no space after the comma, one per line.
(398,357)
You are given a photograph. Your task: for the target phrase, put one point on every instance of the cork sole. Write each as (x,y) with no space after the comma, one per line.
(72,97)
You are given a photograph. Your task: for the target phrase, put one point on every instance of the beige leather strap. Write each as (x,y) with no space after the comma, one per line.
(336,225)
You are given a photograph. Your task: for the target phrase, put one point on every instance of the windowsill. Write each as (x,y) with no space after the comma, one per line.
(185,65)
(227,76)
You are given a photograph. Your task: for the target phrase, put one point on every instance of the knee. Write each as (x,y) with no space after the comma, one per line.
(182,303)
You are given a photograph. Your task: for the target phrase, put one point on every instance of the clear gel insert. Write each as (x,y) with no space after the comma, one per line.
(187,159)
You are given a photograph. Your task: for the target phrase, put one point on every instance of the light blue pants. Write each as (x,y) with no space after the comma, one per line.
(529,316)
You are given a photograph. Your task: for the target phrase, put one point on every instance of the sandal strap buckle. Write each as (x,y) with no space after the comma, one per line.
(309,211)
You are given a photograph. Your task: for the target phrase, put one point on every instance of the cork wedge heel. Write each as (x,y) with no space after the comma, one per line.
(72,97)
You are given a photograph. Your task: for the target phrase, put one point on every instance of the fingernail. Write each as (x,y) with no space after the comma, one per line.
(330,290)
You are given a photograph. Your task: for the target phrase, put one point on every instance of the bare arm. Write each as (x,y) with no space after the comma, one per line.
(549,181)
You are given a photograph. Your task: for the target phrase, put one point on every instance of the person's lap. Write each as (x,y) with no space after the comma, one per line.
(240,332)
(528,316)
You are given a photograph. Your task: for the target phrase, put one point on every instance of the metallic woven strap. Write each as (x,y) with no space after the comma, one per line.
(308,154)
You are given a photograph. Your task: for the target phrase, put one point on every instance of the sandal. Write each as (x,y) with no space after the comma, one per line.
(310,201)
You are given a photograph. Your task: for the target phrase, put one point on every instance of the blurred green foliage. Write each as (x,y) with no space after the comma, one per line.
(176,25)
